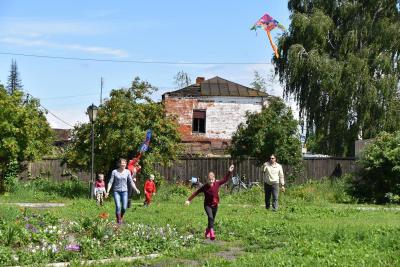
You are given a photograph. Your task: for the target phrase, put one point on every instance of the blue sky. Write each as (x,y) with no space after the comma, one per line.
(178,31)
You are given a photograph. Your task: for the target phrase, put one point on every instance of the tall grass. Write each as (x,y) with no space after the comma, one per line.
(45,189)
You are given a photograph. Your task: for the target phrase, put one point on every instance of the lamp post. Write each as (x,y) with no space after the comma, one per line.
(92,112)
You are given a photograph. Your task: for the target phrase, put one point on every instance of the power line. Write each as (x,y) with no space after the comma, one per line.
(107,92)
(134,61)
(48,111)
(54,115)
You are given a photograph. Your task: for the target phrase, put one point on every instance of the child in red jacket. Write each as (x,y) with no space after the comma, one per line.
(149,190)
(211,199)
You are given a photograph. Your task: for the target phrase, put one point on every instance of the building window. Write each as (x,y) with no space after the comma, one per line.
(199,121)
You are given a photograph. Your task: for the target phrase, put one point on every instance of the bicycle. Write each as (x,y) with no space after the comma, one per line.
(242,183)
(195,183)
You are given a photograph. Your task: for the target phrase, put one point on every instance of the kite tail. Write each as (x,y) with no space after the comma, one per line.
(272,44)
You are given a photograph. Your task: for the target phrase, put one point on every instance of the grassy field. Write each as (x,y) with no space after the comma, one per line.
(317,225)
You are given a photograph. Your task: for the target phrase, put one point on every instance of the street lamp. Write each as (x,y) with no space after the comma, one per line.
(92,112)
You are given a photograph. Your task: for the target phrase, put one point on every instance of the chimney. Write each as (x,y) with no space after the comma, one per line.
(199,80)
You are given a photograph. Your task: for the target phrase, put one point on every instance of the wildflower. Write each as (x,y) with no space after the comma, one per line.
(103,215)
(53,248)
(31,228)
(73,247)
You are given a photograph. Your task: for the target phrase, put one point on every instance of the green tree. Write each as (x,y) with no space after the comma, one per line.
(14,82)
(24,131)
(341,62)
(273,131)
(120,128)
(379,178)
(265,85)
(182,79)
(259,83)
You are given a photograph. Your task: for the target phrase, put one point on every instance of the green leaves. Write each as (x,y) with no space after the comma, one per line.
(273,131)
(24,131)
(341,63)
(120,128)
(380,169)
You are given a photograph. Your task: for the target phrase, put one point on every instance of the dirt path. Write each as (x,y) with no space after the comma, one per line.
(35,205)
(229,252)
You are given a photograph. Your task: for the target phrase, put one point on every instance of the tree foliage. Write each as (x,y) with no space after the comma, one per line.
(259,83)
(379,169)
(341,61)
(24,131)
(14,82)
(273,131)
(120,128)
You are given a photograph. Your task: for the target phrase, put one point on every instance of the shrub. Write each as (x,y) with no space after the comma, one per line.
(333,191)
(380,170)
(72,188)
(11,177)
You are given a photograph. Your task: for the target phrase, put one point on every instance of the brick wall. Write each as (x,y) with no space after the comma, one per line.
(223,115)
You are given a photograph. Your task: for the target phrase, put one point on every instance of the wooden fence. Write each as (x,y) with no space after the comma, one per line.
(184,169)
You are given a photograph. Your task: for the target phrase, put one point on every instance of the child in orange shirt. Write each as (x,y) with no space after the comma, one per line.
(149,190)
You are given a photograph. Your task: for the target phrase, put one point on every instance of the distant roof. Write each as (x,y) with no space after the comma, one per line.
(217,86)
(62,134)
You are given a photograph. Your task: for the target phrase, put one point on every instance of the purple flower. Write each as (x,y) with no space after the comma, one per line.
(31,228)
(73,247)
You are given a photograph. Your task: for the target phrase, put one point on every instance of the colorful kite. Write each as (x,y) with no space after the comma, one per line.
(145,145)
(267,23)
(143,148)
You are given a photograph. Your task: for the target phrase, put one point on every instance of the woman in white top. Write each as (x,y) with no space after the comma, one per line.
(119,179)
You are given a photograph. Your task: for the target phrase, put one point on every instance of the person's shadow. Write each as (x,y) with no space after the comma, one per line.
(337,172)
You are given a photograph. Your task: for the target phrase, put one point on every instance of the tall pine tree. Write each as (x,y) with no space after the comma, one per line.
(341,61)
(13,82)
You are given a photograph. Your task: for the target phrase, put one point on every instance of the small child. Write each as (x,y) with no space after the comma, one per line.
(100,189)
(149,190)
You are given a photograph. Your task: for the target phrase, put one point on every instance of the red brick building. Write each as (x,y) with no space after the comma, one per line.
(209,112)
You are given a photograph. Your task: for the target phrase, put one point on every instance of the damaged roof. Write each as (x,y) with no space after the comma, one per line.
(217,86)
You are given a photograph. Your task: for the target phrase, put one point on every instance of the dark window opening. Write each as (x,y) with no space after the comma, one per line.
(199,121)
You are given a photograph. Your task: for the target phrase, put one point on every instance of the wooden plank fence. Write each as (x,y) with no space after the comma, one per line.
(185,168)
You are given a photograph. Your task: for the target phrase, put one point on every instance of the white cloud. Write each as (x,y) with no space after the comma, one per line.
(77,47)
(36,27)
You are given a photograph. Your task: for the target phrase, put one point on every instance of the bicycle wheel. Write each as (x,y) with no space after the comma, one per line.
(235,189)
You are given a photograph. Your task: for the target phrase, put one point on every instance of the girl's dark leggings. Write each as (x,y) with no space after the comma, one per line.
(211,213)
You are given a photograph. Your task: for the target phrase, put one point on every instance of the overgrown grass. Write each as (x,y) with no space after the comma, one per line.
(312,228)
(47,190)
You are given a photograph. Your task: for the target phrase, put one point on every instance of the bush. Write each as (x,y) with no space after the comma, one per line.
(72,188)
(332,191)
(11,177)
(379,176)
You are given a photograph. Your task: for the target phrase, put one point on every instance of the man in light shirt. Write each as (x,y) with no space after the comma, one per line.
(273,176)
